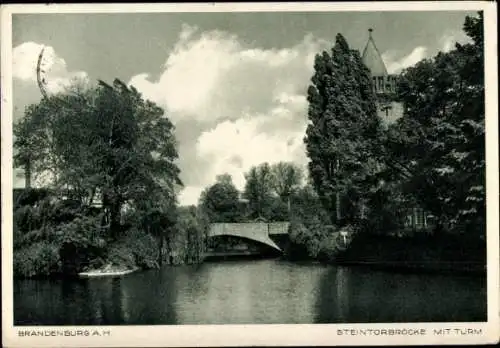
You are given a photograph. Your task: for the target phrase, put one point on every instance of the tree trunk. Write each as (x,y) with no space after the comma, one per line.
(337,207)
(337,197)
(114,217)
(27,174)
(160,250)
(169,251)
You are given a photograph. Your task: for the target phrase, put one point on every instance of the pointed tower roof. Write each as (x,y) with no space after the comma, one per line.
(372,57)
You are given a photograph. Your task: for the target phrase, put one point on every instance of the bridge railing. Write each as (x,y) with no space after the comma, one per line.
(278,227)
(271,228)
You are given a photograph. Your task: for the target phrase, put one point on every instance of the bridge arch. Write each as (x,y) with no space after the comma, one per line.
(258,232)
(233,241)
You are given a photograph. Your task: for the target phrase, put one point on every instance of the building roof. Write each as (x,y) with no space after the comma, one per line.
(372,58)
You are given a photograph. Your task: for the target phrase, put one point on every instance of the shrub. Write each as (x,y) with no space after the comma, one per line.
(134,248)
(83,232)
(82,242)
(24,218)
(120,254)
(29,196)
(329,247)
(189,231)
(316,240)
(298,233)
(39,259)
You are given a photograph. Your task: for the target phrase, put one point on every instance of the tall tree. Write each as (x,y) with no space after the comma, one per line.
(286,180)
(258,190)
(221,201)
(343,129)
(307,206)
(104,141)
(440,139)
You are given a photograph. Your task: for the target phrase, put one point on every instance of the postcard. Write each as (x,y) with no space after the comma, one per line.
(250,174)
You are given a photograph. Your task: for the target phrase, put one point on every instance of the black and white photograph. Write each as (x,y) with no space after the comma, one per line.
(239,166)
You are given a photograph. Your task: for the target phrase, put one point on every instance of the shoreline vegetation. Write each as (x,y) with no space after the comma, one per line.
(417,251)
(108,158)
(442,254)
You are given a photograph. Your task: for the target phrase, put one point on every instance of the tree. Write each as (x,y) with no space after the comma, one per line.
(258,190)
(439,142)
(286,180)
(158,217)
(307,206)
(221,201)
(343,131)
(191,226)
(104,141)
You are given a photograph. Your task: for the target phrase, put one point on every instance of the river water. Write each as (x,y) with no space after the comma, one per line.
(251,291)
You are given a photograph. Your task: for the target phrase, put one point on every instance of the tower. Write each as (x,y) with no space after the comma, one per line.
(384,84)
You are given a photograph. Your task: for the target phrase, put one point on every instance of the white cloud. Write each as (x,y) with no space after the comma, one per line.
(252,98)
(55,72)
(212,75)
(449,40)
(446,43)
(190,195)
(234,146)
(395,65)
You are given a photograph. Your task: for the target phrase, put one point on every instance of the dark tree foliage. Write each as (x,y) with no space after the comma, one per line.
(286,179)
(221,201)
(106,142)
(306,207)
(439,143)
(192,226)
(343,129)
(259,190)
(103,144)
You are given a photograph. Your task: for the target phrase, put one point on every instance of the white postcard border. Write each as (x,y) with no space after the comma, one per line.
(261,335)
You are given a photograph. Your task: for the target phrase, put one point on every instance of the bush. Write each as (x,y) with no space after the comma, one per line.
(29,196)
(135,248)
(39,259)
(120,254)
(316,240)
(24,218)
(330,247)
(298,232)
(84,232)
(189,230)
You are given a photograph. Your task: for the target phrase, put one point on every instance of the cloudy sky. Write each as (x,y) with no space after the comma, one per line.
(233,84)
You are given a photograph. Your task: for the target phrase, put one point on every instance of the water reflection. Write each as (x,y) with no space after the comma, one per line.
(246,292)
(360,295)
(152,297)
(342,298)
(332,304)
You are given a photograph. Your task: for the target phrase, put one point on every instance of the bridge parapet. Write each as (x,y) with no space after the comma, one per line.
(278,228)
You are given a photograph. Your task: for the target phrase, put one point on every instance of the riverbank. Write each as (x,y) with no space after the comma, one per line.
(422,253)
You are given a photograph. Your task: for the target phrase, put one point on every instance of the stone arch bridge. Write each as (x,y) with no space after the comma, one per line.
(263,233)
